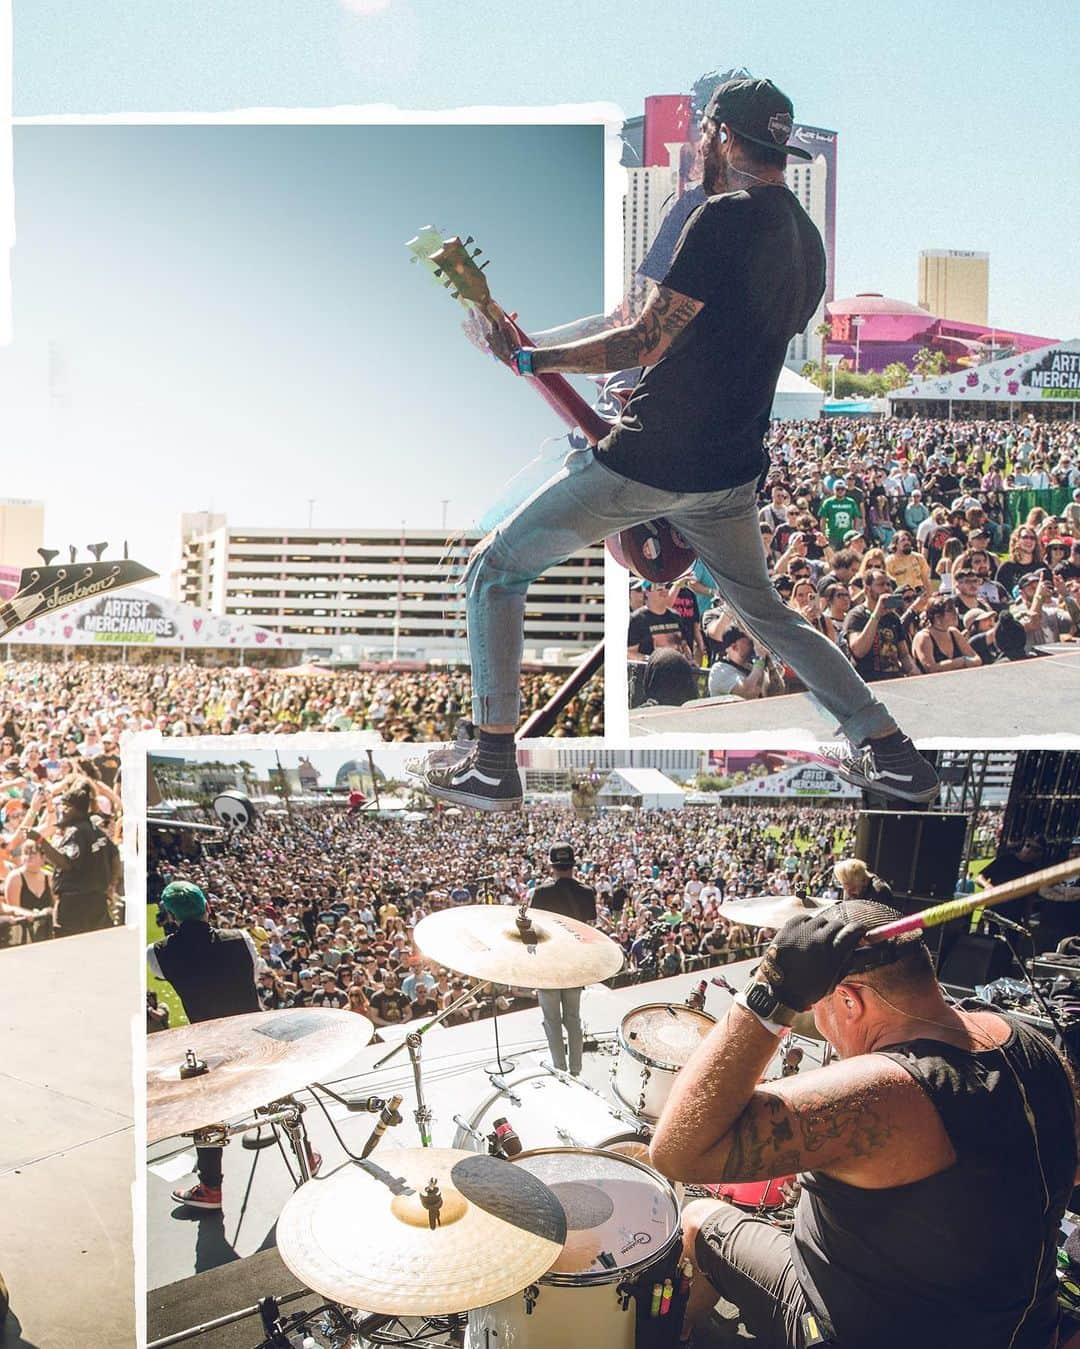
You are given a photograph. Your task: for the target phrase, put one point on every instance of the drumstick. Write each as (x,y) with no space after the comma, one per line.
(960,908)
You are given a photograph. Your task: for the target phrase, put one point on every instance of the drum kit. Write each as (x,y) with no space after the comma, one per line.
(543,1221)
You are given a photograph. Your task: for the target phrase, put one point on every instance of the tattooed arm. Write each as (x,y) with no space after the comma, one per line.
(642,342)
(863,1120)
(625,312)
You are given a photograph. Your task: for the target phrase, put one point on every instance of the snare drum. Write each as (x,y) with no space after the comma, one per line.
(654,1043)
(548,1111)
(622,1219)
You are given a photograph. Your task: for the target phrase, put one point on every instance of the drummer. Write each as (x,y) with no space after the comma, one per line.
(938,1154)
(213,972)
(561,1007)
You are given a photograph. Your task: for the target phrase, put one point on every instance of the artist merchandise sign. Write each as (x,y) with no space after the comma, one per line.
(1046,373)
(125,620)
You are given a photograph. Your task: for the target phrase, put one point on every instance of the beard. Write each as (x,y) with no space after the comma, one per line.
(714,174)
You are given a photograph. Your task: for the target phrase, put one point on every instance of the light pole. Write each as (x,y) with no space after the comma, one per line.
(857,322)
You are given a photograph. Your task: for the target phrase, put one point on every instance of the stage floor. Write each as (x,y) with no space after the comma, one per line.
(257,1183)
(67,1160)
(965,707)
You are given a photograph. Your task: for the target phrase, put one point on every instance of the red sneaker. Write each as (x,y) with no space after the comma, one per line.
(199,1196)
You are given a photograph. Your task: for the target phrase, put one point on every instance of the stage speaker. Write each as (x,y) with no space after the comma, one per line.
(917,853)
(1044,799)
(972,960)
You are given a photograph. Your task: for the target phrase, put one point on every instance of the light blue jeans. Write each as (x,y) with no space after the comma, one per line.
(586,501)
(562,1007)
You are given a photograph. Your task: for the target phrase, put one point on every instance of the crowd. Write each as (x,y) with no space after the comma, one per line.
(916,546)
(60,812)
(330,898)
(55,706)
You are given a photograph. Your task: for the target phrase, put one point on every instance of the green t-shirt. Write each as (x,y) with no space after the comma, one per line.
(840,514)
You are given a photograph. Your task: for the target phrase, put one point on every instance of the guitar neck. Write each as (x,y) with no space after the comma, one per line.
(565,399)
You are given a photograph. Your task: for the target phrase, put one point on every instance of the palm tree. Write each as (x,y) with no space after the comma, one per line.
(824,331)
(927,363)
(896,375)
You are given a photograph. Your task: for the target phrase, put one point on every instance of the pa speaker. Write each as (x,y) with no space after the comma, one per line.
(917,853)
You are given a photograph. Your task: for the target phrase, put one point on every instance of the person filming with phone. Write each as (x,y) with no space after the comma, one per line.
(874,632)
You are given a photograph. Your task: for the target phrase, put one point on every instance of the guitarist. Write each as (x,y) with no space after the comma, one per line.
(747,275)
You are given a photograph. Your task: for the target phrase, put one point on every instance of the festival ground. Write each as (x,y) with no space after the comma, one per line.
(1011,698)
(455,1083)
(67,1157)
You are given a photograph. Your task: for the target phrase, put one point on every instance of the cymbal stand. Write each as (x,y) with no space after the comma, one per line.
(454,1006)
(422,1113)
(288,1112)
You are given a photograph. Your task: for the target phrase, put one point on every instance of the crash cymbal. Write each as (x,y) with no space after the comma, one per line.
(767,910)
(483,941)
(251,1059)
(362,1236)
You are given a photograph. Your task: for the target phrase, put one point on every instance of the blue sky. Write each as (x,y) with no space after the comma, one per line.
(953,117)
(231,321)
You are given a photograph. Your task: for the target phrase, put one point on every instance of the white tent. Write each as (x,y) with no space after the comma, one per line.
(796,399)
(645,787)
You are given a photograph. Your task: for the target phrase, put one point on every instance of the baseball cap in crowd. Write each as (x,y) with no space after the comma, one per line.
(1032,578)
(561,855)
(183,900)
(974,617)
(758,111)
(852,534)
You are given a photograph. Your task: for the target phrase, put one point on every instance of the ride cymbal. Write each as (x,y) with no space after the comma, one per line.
(363,1236)
(250,1059)
(484,942)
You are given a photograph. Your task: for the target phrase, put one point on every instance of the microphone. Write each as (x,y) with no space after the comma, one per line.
(366,1105)
(995,917)
(721,982)
(387,1116)
(504,1139)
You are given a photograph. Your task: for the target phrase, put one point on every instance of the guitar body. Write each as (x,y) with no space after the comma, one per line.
(653,551)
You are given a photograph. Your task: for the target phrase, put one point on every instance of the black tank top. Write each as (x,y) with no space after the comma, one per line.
(211,970)
(42,901)
(964,1257)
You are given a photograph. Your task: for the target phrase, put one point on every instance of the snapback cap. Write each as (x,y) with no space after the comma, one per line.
(757,111)
(561,855)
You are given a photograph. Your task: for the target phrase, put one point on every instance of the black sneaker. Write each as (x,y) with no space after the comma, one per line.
(897,770)
(465,783)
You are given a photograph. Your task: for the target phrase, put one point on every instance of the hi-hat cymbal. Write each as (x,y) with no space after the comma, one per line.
(362,1236)
(483,941)
(768,910)
(251,1059)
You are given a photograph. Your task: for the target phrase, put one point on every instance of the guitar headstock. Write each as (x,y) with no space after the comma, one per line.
(453,264)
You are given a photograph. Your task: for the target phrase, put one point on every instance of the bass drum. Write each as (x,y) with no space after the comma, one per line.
(548,1111)
(622,1220)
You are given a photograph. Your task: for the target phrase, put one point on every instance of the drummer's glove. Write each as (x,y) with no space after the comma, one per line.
(809,956)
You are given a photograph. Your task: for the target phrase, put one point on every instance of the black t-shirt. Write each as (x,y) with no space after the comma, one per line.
(697,418)
(882,661)
(391,1006)
(566,896)
(645,627)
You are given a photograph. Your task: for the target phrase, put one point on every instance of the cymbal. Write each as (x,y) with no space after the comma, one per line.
(483,941)
(362,1236)
(252,1059)
(767,910)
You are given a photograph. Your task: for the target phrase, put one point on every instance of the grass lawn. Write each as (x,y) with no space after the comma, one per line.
(164,990)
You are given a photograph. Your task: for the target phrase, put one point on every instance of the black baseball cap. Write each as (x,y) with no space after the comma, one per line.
(758,111)
(561,855)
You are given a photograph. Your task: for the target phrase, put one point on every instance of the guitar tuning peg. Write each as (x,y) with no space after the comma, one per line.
(476,252)
(469,240)
(96,549)
(47,554)
(438,271)
(71,552)
(484,264)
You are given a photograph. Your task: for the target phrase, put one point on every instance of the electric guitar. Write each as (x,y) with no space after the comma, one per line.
(653,550)
(42,589)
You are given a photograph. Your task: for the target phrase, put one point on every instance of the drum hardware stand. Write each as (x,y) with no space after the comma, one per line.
(422,1113)
(288,1112)
(441,1016)
(623,1116)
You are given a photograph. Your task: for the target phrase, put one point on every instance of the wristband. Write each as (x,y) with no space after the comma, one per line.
(523,360)
(758,661)
(773,1027)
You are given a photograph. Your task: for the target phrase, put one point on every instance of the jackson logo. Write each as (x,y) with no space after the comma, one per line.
(69,594)
(780,127)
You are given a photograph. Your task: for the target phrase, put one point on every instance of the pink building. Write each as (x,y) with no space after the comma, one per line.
(894,330)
